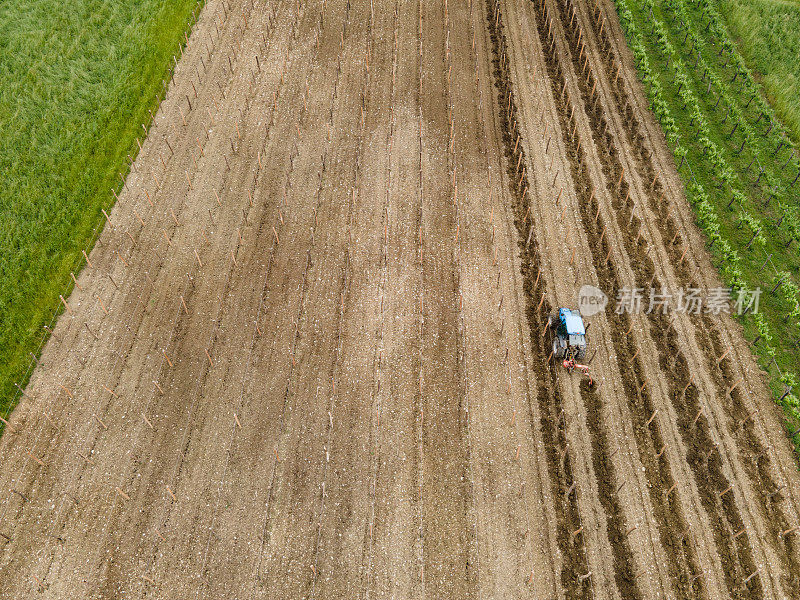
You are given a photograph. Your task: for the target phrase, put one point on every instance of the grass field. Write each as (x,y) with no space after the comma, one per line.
(768,33)
(739,167)
(76,85)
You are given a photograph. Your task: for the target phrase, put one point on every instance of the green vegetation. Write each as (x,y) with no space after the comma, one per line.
(739,166)
(76,83)
(768,32)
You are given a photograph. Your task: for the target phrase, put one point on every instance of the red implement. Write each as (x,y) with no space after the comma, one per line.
(570,364)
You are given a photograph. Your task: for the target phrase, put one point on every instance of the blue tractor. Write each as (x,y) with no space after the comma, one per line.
(569,339)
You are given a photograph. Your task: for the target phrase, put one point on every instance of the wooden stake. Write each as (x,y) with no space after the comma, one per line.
(790,530)
(749,577)
(88,262)
(735,385)
(64,302)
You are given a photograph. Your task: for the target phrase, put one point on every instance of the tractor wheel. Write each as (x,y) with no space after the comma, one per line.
(581,353)
(552,320)
(559,350)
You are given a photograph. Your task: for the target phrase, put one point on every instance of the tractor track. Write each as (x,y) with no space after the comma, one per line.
(552,423)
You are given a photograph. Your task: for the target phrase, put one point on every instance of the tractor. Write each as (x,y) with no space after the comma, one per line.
(569,339)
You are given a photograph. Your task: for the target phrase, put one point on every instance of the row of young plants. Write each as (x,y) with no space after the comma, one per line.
(776,136)
(669,82)
(774,188)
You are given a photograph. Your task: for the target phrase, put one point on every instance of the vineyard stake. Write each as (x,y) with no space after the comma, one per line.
(790,530)
(749,577)
(734,386)
(88,262)
(747,417)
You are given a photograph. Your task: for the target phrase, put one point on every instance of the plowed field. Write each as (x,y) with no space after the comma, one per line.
(308,359)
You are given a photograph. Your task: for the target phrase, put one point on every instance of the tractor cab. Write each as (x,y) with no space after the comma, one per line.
(569,334)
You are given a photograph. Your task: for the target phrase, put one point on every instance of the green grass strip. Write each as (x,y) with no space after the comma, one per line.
(77,81)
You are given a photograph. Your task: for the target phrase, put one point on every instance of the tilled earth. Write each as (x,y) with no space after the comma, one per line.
(308,357)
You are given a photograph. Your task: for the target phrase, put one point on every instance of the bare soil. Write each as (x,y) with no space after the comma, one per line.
(308,356)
